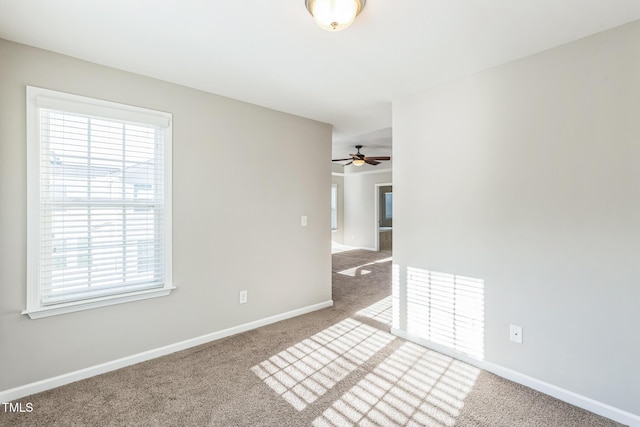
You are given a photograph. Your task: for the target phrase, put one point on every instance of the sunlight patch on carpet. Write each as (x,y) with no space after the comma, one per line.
(304,372)
(380,311)
(355,271)
(413,386)
(360,270)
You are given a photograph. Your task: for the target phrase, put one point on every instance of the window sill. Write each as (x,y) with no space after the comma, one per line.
(71,307)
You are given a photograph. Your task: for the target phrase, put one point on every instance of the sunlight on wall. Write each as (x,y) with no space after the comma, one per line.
(361,270)
(380,311)
(446,309)
(304,372)
(395,296)
(413,386)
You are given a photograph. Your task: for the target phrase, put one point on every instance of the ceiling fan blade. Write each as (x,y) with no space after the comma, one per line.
(378,158)
(347,164)
(371,162)
(340,160)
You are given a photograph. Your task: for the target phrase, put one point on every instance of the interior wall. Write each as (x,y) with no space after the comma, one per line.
(360,206)
(238,191)
(526,177)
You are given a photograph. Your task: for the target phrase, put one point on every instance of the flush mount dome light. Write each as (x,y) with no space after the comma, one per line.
(334,15)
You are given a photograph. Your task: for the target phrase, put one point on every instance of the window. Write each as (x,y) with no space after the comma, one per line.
(388,205)
(99,203)
(334,206)
(385,205)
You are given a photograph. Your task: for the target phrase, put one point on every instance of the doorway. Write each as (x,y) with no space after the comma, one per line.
(384,217)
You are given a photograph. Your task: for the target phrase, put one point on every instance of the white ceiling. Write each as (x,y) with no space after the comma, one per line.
(271,53)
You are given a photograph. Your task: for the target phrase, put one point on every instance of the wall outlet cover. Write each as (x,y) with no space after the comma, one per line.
(515,333)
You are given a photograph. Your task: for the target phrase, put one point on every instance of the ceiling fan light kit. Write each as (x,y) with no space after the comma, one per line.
(334,15)
(360,159)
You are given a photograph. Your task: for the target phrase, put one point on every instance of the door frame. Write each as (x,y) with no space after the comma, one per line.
(376,215)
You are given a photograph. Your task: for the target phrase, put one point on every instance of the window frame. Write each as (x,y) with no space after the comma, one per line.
(334,210)
(37,98)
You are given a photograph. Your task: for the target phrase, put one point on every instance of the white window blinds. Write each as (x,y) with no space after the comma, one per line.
(102,202)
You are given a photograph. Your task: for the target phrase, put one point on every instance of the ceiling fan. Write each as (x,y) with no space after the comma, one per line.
(360,159)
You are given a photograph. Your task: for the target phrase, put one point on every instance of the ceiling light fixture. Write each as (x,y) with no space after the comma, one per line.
(358,162)
(334,15)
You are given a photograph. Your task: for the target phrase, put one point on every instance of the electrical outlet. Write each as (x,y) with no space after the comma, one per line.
(515,333)
(243,297)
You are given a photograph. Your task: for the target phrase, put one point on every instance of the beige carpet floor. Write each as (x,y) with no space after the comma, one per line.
(334,367)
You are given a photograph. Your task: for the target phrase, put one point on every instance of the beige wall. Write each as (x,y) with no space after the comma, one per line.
(360,205)
(238,190)
(526,176)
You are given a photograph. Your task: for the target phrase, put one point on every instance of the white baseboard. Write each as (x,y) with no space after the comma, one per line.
(47,384)
(568,396)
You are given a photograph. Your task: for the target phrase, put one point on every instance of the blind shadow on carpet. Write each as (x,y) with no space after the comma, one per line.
(338,366)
